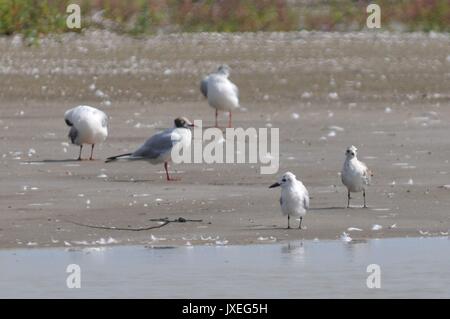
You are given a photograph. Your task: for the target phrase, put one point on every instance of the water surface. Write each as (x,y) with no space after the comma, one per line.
(410,267)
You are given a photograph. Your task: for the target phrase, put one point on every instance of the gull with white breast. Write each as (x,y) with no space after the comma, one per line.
(158,148)
(222,94)
(88,125)
(355,175)
(294,200)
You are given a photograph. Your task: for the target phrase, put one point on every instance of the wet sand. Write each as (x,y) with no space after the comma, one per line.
(385,93)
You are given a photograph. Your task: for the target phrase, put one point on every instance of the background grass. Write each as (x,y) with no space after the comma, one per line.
(34,18)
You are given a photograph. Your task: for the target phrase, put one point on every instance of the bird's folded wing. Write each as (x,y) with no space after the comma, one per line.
(235,89)
(204,86)
(306,199)
(104,119)
(367,175)
(155,146)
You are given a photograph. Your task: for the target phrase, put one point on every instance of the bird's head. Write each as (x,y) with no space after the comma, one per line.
(224,69)
(351,152)
(287,179)
(183,122)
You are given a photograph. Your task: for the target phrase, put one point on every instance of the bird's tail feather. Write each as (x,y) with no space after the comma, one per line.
(115,158)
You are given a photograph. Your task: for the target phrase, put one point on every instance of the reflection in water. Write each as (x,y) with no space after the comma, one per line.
(410,267)
(295,250)
(355,247)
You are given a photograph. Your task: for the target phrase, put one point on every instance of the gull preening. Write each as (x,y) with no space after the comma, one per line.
(294,200)
(355,175)
(222,94)
(158,148)
(88,125)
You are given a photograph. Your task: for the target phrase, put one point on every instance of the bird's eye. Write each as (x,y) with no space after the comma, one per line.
(353,154)
(283,180)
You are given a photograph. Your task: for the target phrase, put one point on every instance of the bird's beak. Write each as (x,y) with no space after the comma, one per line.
(192,125)
(274,185)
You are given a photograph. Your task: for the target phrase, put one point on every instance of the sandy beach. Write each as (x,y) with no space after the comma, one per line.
(385,93)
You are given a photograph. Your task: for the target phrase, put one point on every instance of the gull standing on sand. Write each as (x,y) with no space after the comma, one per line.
(294,200)
(355,175)
(88,125)
(158,148)
(222,94)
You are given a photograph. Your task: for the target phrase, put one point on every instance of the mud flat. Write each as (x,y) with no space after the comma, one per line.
(385,93)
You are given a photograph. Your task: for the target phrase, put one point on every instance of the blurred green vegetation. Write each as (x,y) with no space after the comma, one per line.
(34,18)
(148,16)
(401,15)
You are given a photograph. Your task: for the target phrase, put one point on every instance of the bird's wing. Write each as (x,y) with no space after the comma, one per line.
(235,89)
(204,86)
(306,201)
(306,198)
(156,145)
(367,174)
(100,115)
(104,118)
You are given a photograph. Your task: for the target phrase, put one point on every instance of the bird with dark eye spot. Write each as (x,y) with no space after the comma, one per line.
(158,148)
(294,199)
(355,175)
(88,125)
(221,93)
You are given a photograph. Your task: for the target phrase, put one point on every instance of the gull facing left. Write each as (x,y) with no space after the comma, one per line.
(222,94)
(88,125)
(158,148)
(294,200)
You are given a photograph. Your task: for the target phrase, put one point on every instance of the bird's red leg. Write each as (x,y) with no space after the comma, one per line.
(167,172)
(229,119)
(166,165)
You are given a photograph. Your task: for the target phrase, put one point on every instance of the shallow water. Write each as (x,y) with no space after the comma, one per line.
(410,267)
